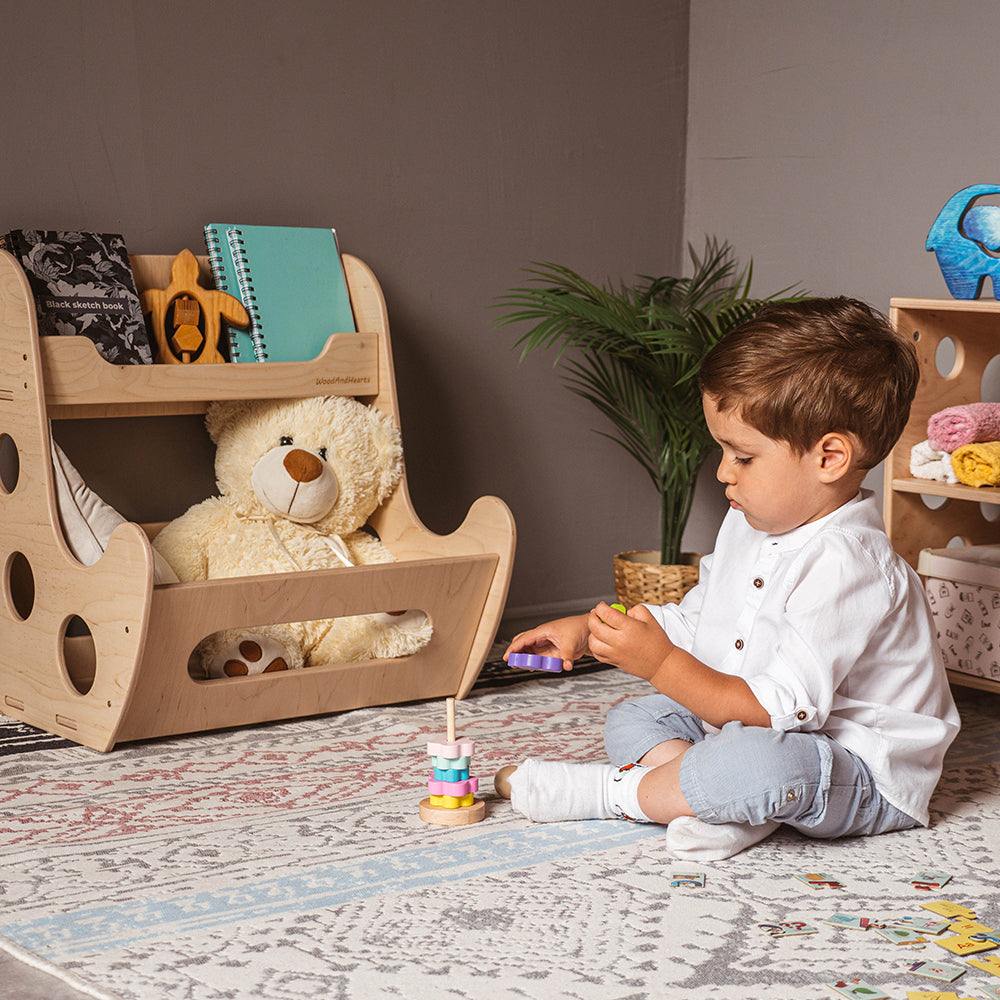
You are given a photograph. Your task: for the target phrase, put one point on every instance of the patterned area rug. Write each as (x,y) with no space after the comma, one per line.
(288,862)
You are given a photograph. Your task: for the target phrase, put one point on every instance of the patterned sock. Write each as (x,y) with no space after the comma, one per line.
(551,791)
(692,839)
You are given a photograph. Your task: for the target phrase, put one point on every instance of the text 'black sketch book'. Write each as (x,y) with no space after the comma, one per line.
(83,286)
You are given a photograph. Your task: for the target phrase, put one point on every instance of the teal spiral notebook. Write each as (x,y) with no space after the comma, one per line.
(290,280)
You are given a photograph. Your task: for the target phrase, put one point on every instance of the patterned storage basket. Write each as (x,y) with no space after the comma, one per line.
(963,589)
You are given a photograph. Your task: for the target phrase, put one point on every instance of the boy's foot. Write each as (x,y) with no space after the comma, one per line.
(692,839)
(501,780)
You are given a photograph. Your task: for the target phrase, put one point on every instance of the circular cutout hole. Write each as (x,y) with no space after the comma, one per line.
(947,357)
(10,464)
(989,385)
(79,654)
(990,511)
(20,585)
(933,502)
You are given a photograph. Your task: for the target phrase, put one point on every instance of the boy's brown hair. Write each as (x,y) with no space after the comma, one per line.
(799,370)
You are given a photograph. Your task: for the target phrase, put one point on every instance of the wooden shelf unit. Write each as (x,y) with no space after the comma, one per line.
(973,328)
(126,677)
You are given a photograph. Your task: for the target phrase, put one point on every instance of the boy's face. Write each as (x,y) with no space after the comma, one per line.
(776,489)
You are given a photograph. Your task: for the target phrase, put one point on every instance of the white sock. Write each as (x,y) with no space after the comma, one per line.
(692,839)
(551,791)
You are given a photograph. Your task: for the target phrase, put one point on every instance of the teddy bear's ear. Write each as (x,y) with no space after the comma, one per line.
(222,413)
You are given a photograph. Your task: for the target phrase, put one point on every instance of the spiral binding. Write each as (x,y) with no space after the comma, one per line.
(217,262)
(245,282)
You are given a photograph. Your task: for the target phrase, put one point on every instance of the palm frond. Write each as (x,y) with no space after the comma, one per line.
(634,352)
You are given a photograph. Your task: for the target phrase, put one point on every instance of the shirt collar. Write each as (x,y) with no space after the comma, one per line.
(798,537)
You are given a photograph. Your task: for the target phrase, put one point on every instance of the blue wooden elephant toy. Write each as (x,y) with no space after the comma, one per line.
(966,239)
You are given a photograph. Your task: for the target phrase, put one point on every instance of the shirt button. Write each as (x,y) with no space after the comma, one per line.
(801,715)
(739,643)
(758,583)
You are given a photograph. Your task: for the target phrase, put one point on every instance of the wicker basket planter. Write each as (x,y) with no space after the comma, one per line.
(641,579)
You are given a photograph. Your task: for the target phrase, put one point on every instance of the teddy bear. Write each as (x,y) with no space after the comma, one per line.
(298,480)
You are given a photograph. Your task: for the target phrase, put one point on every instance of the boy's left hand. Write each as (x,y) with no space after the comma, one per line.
(633,642)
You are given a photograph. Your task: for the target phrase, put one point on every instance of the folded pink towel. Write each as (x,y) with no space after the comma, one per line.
(969,423)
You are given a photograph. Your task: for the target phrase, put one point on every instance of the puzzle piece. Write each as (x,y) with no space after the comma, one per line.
(990,964)
(788,929)
(848,921)
(930,995)
(946,908)
(922,924)
(990,992)
(900,935)
(857,988)
(929,880)
(819,880)
(936,970)
(965,945)
(694,879)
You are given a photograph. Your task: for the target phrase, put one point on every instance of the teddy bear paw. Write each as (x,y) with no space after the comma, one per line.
(400,634)
(251,653)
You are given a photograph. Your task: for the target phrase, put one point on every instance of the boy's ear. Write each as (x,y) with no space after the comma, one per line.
(835,452)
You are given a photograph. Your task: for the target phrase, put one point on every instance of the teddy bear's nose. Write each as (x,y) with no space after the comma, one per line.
(302,466)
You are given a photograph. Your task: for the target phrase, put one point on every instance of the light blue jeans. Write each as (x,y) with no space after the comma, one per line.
(749,774)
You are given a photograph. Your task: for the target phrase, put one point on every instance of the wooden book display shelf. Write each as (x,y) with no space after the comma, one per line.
(99,654)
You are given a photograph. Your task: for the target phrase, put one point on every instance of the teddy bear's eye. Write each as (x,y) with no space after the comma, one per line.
(285,439)
(322,454)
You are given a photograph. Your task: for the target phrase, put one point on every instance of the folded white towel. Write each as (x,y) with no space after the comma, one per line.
(929,463)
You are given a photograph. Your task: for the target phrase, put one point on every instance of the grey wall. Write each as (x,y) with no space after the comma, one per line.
(449,143)
(823,138)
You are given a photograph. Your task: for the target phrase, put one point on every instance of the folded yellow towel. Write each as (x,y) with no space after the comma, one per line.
(977,464)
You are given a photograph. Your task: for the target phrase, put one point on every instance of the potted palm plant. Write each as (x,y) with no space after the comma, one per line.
(634,352)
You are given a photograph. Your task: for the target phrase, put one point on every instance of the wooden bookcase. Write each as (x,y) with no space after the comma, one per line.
(973,329)
(125,675)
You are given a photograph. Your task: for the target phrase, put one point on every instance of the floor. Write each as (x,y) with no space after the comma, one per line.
(22,982)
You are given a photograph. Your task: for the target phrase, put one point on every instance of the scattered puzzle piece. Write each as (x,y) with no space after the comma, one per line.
(819,880)
(930,995)
(965,945)
(695,879)
(929,880)
(949,909)
(848,921)
(901,935)
(990,964)
(936,970)
(991,992)
(925,925)
(857,988)
(788,929)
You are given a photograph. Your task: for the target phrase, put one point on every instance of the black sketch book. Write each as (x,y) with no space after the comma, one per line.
(83,286)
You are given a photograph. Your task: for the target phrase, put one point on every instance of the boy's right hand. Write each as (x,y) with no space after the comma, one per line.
(565,638)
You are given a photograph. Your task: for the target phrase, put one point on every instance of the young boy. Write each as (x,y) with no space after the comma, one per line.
(800,681)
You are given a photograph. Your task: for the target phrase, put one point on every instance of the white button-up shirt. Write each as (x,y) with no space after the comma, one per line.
(831,630)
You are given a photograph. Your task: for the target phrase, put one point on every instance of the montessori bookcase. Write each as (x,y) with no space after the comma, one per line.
(971,329)
(99,654)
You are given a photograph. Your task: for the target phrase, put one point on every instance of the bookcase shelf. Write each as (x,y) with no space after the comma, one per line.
(126,677)
(923,513)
